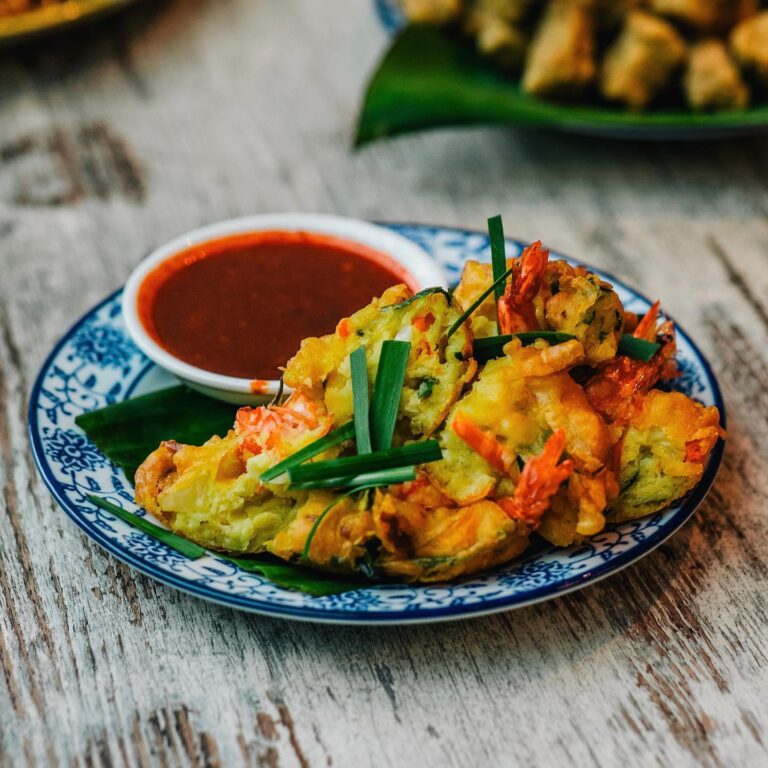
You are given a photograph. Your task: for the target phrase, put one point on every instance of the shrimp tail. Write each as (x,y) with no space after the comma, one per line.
(612,392)
(539,481)
(516,311)
(646,328)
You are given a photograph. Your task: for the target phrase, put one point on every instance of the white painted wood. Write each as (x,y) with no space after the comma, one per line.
(181,113)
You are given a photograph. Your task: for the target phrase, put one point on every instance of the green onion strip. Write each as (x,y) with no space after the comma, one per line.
(340,435)
(477,302)
(374,480)
(498,259)
(493,346)
(360,403)
(638,349)
(387,391)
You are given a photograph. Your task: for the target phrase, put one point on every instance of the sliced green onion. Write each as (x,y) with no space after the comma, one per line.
(404,455)
(638,349)
(360,402)
(498,258)
(316,524)
(420,295)
(368,481)
(188,548)
(491,347)
(345,432)
(387,392)
(477,302)
(362,481)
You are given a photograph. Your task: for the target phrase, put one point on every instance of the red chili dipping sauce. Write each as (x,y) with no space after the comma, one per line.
(241,305)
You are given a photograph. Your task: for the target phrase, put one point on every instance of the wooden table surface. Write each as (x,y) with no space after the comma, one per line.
(177,114)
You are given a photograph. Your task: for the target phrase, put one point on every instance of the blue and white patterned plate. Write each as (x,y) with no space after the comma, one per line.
(95,364)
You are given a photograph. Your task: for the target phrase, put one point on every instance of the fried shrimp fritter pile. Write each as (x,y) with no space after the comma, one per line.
(558,436)
(710,54)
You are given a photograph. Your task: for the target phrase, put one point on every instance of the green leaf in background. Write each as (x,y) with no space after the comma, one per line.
(128,432)
(429,78)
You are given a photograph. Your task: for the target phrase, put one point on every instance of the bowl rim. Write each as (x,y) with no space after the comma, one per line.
(423,270)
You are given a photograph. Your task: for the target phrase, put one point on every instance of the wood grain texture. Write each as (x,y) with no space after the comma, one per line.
(181,113)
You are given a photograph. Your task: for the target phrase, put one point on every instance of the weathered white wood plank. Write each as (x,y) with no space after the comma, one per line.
(182,113)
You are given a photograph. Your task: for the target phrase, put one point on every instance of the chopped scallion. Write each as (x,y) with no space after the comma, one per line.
(366,482)
(493,346)
(477,302)
(360,402)
(349,466)
(362,481)
(387,391)
(498,258)
(638,349)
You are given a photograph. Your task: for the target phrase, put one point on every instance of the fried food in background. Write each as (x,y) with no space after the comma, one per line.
(749,43)
(642,61)
(557,437)
(705,15)
(630,52)
(712,80)
(561,59)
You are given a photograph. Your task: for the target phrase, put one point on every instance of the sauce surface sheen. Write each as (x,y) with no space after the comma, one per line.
(240,306)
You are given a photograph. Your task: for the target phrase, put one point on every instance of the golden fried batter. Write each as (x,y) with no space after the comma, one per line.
(527,445)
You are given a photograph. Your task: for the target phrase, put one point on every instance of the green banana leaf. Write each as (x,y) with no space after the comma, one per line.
(126,433)
(430,78)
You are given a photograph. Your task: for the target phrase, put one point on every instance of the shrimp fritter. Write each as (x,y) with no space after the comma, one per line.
(555,438)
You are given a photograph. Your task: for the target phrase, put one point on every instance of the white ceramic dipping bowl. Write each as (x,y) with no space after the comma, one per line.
(422,270)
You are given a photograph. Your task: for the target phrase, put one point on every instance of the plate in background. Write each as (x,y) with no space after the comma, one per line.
(512,106)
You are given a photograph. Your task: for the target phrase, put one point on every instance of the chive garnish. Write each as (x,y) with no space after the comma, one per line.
(420,295)
(360,403)
(498,258)
(371,480)
(316,524)
(477,302)
(345,432)
(351,466)
(362,481)
(638,349)
(491,347)
(188,548)
(387,391)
